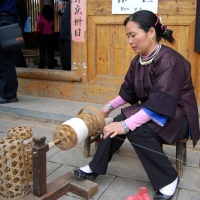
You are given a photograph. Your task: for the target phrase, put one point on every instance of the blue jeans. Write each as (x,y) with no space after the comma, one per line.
(8,76)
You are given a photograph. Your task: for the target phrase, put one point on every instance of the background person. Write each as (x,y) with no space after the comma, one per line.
(8,76)
(20,61)
(160,79)
(46,37)
(65,35)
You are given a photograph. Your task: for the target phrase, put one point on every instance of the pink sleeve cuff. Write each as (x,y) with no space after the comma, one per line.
(117,102)
(136,120)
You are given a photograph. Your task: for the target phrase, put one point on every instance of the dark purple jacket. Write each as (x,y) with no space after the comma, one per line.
(165,87)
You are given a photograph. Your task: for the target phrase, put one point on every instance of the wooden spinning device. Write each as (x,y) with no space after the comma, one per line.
(77,129)
(65,137)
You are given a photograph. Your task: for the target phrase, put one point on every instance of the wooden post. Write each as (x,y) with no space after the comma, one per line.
(181,155)
(39,166)
(57,188)
(197,28)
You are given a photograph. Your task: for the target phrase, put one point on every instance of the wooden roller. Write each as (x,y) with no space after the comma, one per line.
(77,129)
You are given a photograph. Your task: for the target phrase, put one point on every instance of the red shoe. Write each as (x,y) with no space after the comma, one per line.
(142,195)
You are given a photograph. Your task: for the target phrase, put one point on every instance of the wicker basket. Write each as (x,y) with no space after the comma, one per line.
(26,135)
(13,179)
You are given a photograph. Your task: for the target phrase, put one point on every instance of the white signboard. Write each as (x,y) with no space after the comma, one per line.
(131,6)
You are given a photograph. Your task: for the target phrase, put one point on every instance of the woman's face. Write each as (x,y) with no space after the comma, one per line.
(140,41)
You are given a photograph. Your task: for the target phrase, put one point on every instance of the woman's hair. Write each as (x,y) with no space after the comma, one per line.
(47,12)
(147,19)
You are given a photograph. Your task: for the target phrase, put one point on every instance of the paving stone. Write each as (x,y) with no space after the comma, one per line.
(125,173)
(188,195)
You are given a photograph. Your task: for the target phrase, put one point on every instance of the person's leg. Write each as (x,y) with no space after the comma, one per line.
(8,76)
(62,51)
(106,148)
(68,55)
(147,145)
(19,59)
(168,191)
(42,50)
(50,52)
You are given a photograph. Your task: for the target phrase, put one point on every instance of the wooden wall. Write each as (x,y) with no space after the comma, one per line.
(100,63)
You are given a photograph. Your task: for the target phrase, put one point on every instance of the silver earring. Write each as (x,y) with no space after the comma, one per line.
(151,40)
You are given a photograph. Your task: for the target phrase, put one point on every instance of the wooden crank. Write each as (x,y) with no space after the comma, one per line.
(65,137)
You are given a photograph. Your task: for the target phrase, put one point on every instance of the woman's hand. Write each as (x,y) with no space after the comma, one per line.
(105,111)
(113,129)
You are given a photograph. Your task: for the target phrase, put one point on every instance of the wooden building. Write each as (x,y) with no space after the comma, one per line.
(100,62)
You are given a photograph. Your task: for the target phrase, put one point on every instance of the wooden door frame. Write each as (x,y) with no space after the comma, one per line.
(197,29)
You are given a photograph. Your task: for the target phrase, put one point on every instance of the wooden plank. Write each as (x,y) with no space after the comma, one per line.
(67,183)
(197,79)
(70,91)
(197,31)
(42,74)
(177,7)
(191,56)
(108,61)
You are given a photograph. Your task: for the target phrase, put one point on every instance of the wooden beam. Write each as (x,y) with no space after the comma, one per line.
(67,183)
(59,187)
(197,29)
(47,74)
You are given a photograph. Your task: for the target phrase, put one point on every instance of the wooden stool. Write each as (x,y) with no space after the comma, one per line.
(88,141)
(181,155)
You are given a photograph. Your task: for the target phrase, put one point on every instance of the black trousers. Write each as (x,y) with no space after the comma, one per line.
(8,76)
(65,53)
(45,43)
(148,146)
(19,59)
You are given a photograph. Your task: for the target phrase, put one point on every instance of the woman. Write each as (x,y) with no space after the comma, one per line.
(46,40)
(159,79)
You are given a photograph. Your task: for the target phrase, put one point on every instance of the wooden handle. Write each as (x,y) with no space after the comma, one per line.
(53,143)
(101,118)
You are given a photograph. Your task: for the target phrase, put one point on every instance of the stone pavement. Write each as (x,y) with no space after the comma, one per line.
(125,173)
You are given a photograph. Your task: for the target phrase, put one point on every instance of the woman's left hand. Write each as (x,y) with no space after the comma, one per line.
(113,129)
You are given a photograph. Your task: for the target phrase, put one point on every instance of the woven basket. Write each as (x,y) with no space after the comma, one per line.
(26,135)
(13,179)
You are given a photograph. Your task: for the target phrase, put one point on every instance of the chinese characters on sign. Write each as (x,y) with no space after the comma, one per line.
(78,21)
(131,6)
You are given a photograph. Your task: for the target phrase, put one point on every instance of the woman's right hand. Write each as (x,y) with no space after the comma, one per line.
(105,111)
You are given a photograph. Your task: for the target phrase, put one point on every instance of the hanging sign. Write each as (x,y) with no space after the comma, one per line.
(131,6)
(78,20)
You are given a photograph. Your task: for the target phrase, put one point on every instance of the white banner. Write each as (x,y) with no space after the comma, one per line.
(131,6)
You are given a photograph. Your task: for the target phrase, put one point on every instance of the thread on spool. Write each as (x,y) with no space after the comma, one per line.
(91,122)
(79,127)
(75,130)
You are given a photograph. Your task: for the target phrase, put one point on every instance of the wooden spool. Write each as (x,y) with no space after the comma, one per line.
(67,135)
(98,122)
(64,137)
